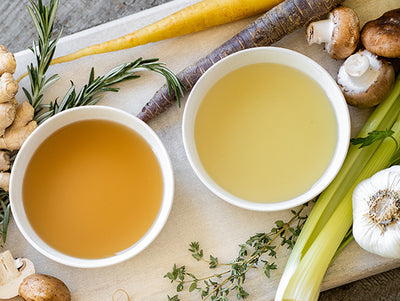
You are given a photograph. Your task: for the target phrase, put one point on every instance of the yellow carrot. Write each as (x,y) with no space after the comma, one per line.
(196,17)
(273,25)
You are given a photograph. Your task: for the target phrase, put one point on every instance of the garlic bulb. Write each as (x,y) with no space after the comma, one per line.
(376,213)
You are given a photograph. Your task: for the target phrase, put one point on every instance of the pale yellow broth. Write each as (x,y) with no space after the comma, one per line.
(265,132)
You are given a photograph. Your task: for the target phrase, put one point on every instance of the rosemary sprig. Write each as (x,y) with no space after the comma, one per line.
(90,94)
(43,20)
(259,249)
(5,212)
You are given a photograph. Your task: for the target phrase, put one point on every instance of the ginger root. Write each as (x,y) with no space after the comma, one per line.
(22,126)
(16,121)
(4,160)
(7,61)
(8,87)
(5,180)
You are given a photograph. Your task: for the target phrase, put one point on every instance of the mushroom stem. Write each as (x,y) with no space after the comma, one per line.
(365,79)
(339,33)
(359,70)
(320,32)
(8,270)
(12,273)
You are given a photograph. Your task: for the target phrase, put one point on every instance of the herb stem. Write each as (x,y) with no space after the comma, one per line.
(234,277)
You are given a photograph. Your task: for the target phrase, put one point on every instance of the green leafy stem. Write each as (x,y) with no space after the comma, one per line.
(43,19)
(259,249)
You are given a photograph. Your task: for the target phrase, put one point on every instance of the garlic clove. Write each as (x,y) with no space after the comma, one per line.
(376,213)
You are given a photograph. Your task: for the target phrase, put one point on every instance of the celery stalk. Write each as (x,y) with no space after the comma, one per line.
(305,282)
(383,117)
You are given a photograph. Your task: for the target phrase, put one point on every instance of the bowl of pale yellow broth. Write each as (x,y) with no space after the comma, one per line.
(92,186)
(266,129)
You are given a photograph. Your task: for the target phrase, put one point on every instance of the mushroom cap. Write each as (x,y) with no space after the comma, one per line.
(345,33)
(376,92)
(39,287)
(382,36)
(12,273)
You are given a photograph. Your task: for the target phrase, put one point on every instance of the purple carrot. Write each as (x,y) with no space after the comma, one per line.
(272,26)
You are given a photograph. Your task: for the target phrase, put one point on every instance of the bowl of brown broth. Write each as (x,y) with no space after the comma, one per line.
(91,187)
(266,129)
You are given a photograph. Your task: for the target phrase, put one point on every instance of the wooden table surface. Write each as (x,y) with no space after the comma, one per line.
(17,33)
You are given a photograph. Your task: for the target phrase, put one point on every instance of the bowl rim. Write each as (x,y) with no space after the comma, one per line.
(269,54)
(56,122)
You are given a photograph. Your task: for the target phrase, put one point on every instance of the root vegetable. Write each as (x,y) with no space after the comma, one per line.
(16,122)
(8,87)
(7,114)
(281,20)
(5,181)
(4,160)
(39,287)
(4,167)
(199,16)
(7,61)
(23,125)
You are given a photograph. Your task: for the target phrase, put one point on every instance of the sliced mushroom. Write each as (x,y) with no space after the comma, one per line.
(340,32)
(382,36)
(365,79)
(12,273)
(39,287)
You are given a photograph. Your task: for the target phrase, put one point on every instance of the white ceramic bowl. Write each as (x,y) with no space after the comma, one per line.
(45,130)
(267,55)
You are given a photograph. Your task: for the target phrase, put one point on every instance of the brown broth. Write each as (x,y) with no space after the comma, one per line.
(265,132)
(92,189)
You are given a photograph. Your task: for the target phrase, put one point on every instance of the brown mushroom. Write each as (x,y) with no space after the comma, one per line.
(365,79)
(382,36)
(39,287)
(340,32)
(12,273)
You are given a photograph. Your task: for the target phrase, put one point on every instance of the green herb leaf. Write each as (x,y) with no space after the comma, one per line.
(43,19)
(261,245)
(193,286)
(174,298)
(372,137)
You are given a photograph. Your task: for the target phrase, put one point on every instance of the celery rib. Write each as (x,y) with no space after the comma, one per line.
(305,283)
(384,116)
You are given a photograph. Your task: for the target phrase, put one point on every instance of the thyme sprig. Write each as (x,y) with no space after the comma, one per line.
(259,250)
